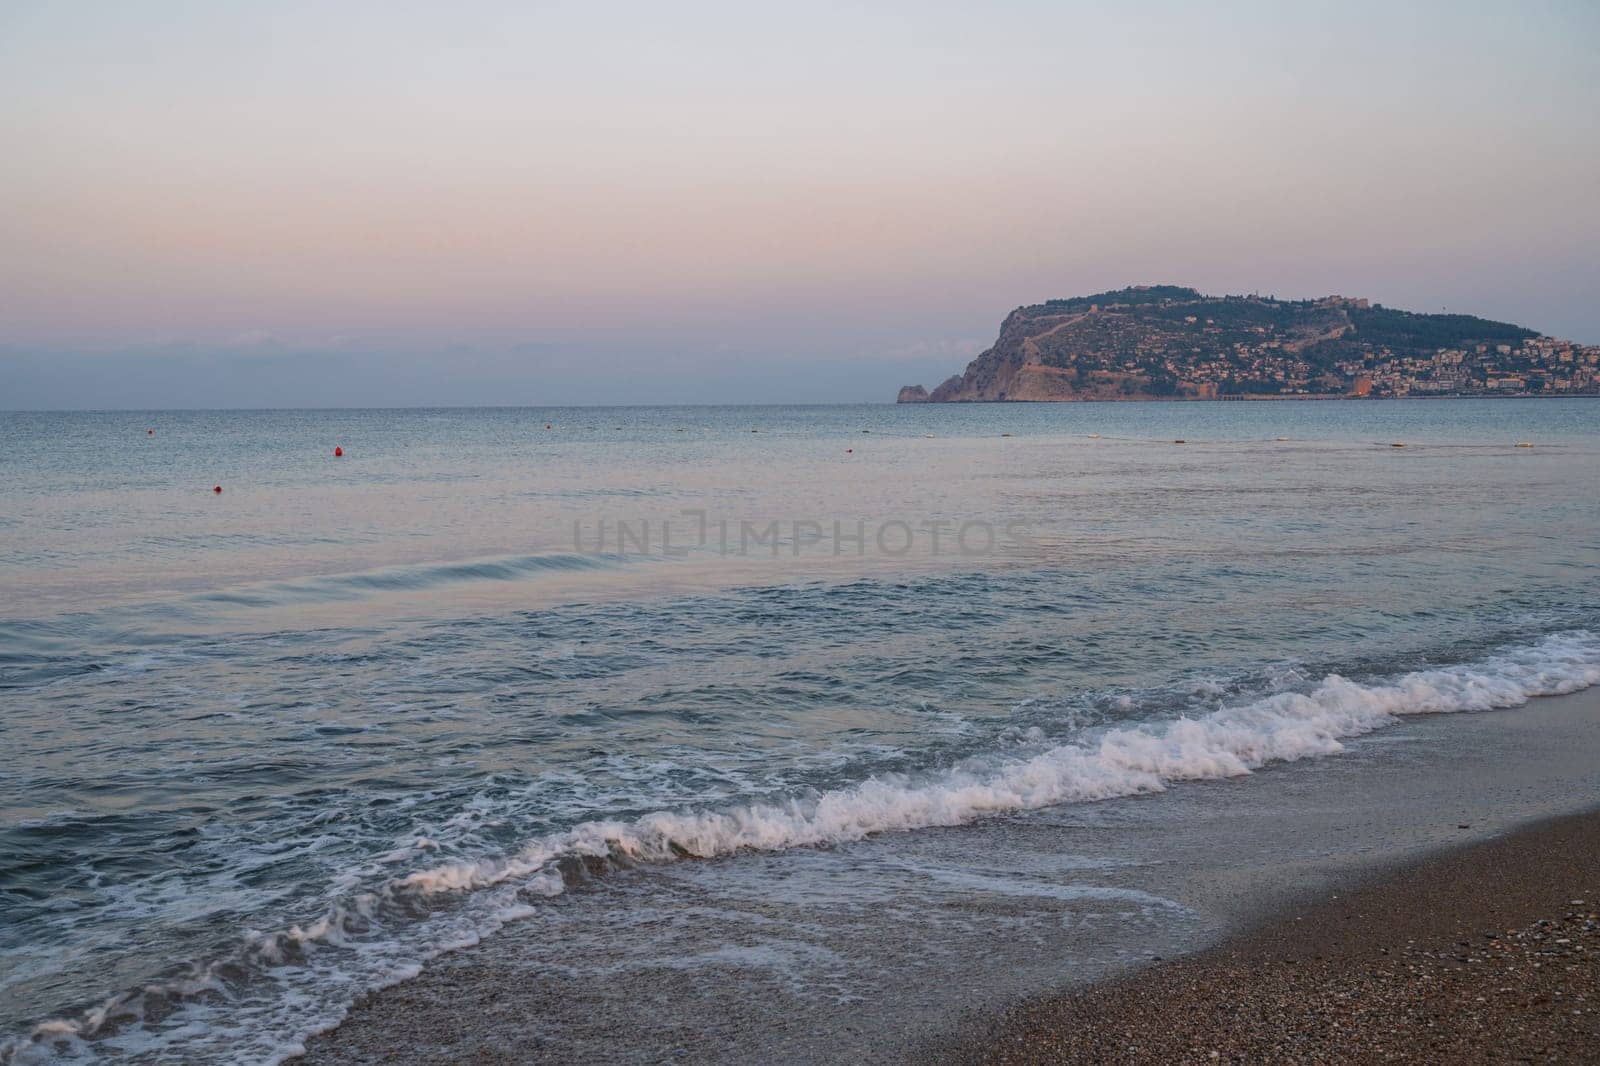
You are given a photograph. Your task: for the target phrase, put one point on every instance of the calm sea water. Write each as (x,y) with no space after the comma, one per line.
(266,749)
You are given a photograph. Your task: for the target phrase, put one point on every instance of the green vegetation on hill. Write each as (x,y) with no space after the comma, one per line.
(1134,295)
(1409,330)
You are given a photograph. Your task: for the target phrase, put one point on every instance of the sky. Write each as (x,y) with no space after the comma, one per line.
(309,204)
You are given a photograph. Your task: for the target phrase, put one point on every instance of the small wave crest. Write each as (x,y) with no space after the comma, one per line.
(407,578)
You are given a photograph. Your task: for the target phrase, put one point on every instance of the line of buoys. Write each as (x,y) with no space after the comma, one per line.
(1094,436)
(337,451)
(1524,443)
(1398,444)
(1005,434)
(1180,440)
(1283,438)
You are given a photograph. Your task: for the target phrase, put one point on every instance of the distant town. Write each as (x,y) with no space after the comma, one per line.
(1539,365)
(1168,342)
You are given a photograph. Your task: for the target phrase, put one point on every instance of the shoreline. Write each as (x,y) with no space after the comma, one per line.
(1488,951)
(1253,398)
(1008,916)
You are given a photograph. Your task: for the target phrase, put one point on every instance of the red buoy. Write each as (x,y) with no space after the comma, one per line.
(216,488)
(337,450)
(547,425)
(849,451)
(149,432)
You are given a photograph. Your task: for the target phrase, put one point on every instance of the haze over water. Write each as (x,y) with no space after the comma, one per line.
(271,748)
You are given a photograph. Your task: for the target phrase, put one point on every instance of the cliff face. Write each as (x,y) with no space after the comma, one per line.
(1168,342)
(1020,365)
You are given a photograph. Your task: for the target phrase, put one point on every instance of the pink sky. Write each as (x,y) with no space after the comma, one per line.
(713,187)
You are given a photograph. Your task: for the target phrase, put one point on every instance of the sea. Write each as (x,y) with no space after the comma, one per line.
(281,727)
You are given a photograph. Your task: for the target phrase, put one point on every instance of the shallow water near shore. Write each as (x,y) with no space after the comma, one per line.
(271,749)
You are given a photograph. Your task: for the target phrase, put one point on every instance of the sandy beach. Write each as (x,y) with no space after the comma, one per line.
(1488,953)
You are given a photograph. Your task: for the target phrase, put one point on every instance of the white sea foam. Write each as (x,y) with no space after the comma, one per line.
(1228,742)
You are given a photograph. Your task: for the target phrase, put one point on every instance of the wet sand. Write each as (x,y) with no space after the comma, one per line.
(1489,953)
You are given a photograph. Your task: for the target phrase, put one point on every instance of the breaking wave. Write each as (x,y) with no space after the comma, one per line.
(1229,742)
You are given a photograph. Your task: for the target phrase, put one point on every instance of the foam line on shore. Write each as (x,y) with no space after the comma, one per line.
(1229,742)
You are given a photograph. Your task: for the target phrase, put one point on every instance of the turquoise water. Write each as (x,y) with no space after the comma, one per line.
(269,748)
